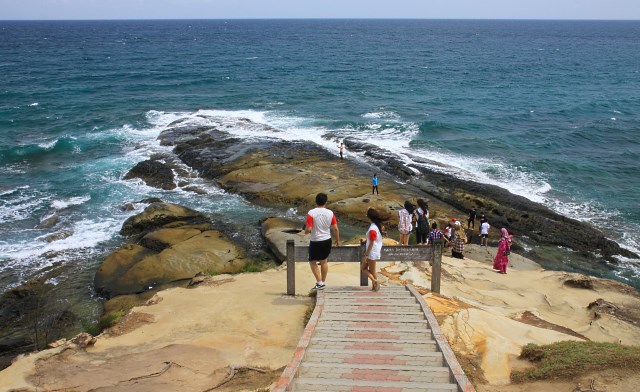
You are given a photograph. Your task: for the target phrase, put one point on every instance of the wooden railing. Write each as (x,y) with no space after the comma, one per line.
(354,254)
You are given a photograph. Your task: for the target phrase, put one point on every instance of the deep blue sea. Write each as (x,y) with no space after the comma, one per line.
(547,109)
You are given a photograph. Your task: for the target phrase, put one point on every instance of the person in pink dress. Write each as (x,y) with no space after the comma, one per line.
(501,260)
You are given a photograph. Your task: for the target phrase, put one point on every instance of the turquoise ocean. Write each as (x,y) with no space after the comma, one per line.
(549,110)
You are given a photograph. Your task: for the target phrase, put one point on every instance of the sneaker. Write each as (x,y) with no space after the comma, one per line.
(318,287)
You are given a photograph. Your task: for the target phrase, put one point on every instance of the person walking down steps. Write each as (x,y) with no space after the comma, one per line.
(374,246)
(320,222)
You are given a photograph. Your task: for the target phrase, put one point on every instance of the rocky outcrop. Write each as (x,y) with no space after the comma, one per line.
(277,231)
(503,209)
(291,173)
(161,215)
(153,173)
(175,244)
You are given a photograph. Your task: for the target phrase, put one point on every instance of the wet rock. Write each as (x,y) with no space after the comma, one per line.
(158,215)
(49,222)
(196,190)
(128,207)
(151,200)
(153,173)
(57,236)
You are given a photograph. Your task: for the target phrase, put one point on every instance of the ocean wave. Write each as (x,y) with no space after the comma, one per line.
(386,115)
(73,201)
(86,234)
(20,203)
(37,151)
(13,190)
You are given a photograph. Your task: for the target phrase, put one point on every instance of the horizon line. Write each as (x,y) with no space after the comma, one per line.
(317,19)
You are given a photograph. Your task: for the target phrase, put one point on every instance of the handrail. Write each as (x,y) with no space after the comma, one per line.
(354,254)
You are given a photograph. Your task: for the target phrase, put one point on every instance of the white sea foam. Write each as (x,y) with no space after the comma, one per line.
(13,190)
(34,104)
(20,203)
(385,114)
(66,203)
(86,234)
(48,146)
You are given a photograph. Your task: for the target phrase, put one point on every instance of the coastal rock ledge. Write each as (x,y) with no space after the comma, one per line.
(173,243)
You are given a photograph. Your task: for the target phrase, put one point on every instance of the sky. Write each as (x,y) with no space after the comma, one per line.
(269,9)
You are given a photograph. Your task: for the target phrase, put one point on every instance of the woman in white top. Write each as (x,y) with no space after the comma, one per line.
(405,222)
(374,245)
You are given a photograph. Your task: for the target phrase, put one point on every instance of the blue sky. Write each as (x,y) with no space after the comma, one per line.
(231,9)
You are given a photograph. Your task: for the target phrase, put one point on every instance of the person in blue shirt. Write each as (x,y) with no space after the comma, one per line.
(374,182)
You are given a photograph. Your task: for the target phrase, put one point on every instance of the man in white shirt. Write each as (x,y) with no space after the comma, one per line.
(484,233)
(320,222)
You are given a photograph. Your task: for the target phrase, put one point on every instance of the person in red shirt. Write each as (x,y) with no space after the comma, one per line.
(320,222)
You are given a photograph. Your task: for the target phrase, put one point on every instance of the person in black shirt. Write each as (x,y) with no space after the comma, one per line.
(471,222)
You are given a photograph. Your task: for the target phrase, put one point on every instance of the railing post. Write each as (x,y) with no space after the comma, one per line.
(364,278)
(436,270)
(291,268)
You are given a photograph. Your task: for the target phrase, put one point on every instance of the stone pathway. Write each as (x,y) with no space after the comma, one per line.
(365,341)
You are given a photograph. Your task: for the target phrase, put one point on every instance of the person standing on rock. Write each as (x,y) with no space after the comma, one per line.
(405,222)
(457,249)
(374,183)
(320,222)
(435,234)
(484,233)
(373,246)
(471,222)
(422,222)
(341,149)
(482,220)
(501,260)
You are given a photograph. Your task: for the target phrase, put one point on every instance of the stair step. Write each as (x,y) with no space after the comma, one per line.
(331,385)
(370,294)
(390,347)
(373,334)
(355,310)
(375,357)
(375,372)
(395,304)
(328,328)
(368,316)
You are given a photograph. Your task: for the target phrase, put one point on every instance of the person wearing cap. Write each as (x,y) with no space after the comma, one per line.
(457,249)
(454,232)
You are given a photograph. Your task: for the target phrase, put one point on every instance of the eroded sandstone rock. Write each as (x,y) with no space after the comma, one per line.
(171,250)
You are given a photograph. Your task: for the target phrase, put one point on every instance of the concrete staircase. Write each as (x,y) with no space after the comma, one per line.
(369,341)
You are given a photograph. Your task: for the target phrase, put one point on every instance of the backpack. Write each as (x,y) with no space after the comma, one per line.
(404,222)
(422,223)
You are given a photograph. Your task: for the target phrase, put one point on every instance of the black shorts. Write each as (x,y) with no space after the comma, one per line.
(319,250)
(485,235)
